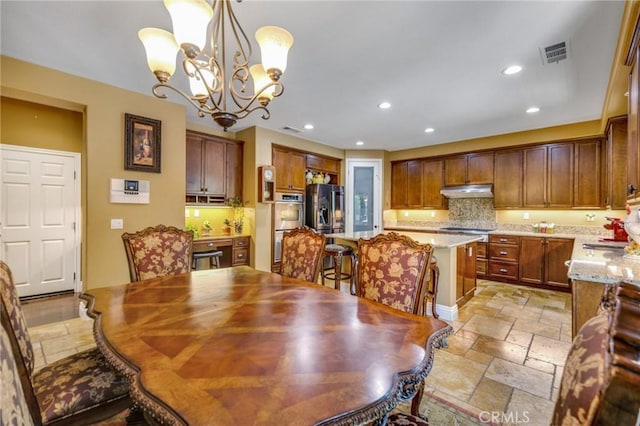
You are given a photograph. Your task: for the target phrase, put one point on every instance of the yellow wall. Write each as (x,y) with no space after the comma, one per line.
(102,108)
(257,152)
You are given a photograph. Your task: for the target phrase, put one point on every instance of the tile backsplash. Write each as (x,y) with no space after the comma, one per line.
(472,213)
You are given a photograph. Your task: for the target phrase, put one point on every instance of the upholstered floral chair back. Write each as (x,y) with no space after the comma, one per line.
(391,270)
(18,403)
(600,384)
(158,251)
(302,254)
(11,302)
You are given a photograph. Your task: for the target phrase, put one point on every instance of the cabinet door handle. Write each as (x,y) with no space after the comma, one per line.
(503,240)
(240,255)
(503,253)
(504,271)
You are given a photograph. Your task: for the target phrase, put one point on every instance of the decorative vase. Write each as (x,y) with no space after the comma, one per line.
(327,179)
(238,227)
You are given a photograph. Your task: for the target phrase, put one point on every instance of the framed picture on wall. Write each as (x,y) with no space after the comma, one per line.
(142,146)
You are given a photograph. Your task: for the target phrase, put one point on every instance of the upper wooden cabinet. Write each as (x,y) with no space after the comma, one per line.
(507,179)
(468,169)
(406,184)
(432,183)
(325,165)
(615,189)
(290,169)
(587,191)
(548,176)
(213,168)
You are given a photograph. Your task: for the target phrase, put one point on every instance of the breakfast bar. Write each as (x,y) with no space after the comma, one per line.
(445,251)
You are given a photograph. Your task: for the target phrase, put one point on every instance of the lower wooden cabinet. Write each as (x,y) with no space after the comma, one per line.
(235,250)
(504,255)
(465,273)
(240,251)
(543,261)
(482,263)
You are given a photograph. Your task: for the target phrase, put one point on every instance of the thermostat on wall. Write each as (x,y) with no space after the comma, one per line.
(129,191)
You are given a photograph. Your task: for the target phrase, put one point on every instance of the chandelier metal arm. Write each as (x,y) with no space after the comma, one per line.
(214,82)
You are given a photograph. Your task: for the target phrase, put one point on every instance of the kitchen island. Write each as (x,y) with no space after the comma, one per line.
(596,266)
(445,250)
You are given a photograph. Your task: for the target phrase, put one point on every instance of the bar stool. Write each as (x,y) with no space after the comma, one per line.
(337,252)
(431,293)
(213,256)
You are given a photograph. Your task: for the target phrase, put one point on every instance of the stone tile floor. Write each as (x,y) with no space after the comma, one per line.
(503,363)
(505,359)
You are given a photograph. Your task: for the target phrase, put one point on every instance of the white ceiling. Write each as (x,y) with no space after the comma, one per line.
(437,62)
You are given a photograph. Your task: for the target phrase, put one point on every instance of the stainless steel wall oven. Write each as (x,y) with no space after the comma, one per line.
(288,213)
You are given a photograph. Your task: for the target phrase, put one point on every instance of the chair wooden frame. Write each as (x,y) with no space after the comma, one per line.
(127,238)
(312,236)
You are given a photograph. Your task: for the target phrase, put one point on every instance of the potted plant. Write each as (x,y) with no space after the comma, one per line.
(238,212)
(206,227)
(226,229)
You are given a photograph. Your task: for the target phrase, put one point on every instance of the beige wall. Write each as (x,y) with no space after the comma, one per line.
(258,142)
(102,108)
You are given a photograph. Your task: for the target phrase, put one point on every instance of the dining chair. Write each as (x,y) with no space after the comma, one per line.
(302,254)
(391,270)
(600,383)
(79,389)
(158,251)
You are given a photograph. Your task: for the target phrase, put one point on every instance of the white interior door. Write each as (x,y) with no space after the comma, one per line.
(40,197)
(363,195)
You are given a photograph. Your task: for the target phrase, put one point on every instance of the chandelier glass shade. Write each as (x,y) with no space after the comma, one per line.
(219,83)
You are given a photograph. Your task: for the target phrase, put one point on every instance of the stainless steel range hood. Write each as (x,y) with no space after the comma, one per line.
(468,191)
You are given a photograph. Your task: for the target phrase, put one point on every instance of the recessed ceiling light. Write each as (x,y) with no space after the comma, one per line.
(359,143)
(532,110)
(513,69)
(429,130)
(308,126)
(384,105)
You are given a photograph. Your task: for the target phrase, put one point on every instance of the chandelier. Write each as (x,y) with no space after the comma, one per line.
(224,97)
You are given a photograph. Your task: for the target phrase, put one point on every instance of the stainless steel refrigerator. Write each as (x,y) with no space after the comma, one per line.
(325,208)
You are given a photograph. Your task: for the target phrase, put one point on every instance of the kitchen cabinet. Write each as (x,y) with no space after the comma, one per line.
(542,261)
(213,169)
(406,184)
(473,168)
(465,273)
(504,255)
(586,298)
(240,251)
(290,169)
(432,183)
(325,165)
(587,190)
(235,250)
(548,176)
(615,190)
(482,262)
(507,179)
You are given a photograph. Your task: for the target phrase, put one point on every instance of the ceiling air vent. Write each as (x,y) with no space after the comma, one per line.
(291,129)
(554,53)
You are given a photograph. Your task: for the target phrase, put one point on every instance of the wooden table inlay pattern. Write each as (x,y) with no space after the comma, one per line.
(240,346)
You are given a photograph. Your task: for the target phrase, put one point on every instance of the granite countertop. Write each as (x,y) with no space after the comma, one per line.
(602,264)
(436,240)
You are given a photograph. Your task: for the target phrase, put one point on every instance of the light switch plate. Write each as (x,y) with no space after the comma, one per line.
(117,223)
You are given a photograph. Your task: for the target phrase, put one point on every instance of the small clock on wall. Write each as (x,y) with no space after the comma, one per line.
(266,184)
